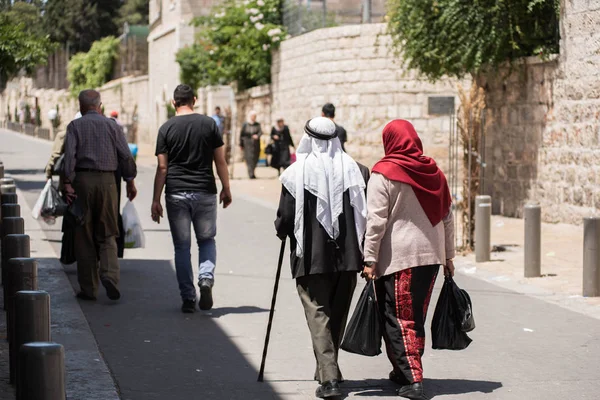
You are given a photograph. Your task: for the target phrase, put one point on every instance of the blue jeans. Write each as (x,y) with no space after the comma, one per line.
(200,210)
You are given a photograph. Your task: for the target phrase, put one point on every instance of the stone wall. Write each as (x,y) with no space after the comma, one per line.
(353,68)
(128,96)
(518,100)
(568,183)
(543,128)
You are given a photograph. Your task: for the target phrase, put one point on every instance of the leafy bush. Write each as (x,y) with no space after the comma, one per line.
(56,121)
(27,114)
(38,116)
(171,112)
(455,37)
(94,68)
(233,45)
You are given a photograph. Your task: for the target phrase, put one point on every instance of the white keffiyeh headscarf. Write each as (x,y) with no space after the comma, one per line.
(327,172)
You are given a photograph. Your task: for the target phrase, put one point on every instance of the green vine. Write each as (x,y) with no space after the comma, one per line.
(455,37)
(93,69)
(234,45)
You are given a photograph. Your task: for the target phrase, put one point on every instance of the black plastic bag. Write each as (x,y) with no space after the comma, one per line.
(75,212)
(363,334)
(67,250)
(53,205)
(453,317)
(59,166)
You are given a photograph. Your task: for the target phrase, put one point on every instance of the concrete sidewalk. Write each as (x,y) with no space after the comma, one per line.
(88,376)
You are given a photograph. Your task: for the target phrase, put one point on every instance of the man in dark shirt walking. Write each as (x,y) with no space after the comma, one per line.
(328,111)
(94,149)
(186,147)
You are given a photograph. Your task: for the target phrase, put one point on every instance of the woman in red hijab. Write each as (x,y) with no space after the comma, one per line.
(410,233)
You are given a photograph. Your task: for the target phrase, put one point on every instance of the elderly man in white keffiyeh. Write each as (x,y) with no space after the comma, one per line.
(323,211)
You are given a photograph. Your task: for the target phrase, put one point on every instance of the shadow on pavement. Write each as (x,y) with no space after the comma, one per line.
(30,186)
(25,172)
(156,352)
(433,387)
(219,312)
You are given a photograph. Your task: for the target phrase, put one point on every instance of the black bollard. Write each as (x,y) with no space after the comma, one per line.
(13,246)
(41,372)
(9,198)
(10,225)
(21,274)
(31,324)
(8,189)
(10,210)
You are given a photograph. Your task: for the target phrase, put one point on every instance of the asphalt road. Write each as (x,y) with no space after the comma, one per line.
(523,348)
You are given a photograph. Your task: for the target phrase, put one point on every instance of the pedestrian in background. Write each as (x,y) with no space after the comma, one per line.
(94,149)
(323,211)
(281,145)
(410,233)
(328,111)
(219,119)
(250,143)
(186,147)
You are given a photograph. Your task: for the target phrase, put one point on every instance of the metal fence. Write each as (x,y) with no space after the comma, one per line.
(29,129)
(14,126)
(43,133)
(302,16)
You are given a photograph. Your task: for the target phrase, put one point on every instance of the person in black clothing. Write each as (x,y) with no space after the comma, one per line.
(281,155)
(326,245)
(250,143)
(328,111)
(186,148)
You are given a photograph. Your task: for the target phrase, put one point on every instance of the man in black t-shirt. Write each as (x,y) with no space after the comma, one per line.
(328,111)
(186,147)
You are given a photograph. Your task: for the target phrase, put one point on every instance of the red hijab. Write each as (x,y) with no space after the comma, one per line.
(404,162)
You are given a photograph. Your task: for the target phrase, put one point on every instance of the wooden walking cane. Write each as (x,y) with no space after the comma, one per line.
(273,300)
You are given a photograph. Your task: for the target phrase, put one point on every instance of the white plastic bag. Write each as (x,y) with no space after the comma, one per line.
(37,208)
(134,233)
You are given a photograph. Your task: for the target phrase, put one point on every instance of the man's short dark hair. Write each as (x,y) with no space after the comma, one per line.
(329,110)
(183,96)
(89,99)
(217,108)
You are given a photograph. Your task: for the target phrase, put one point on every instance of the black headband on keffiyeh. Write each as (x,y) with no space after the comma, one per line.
(319,135)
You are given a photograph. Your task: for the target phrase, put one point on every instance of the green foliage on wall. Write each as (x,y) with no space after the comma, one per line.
(27,114)
(456,37)
(56,121)
(38,116)
(93,69)
(234,45)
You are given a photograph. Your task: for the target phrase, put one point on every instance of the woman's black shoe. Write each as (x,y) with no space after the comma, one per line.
(83,296)
(328,389)
(414,391)
(188,306)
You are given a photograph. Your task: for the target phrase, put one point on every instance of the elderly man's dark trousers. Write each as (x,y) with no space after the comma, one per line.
(95,240)
(326,299)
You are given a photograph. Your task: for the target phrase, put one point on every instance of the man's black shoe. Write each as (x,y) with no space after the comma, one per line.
(414,391)
(83,296)
(206,299)
(111,289)
(188,306)
(329,389)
